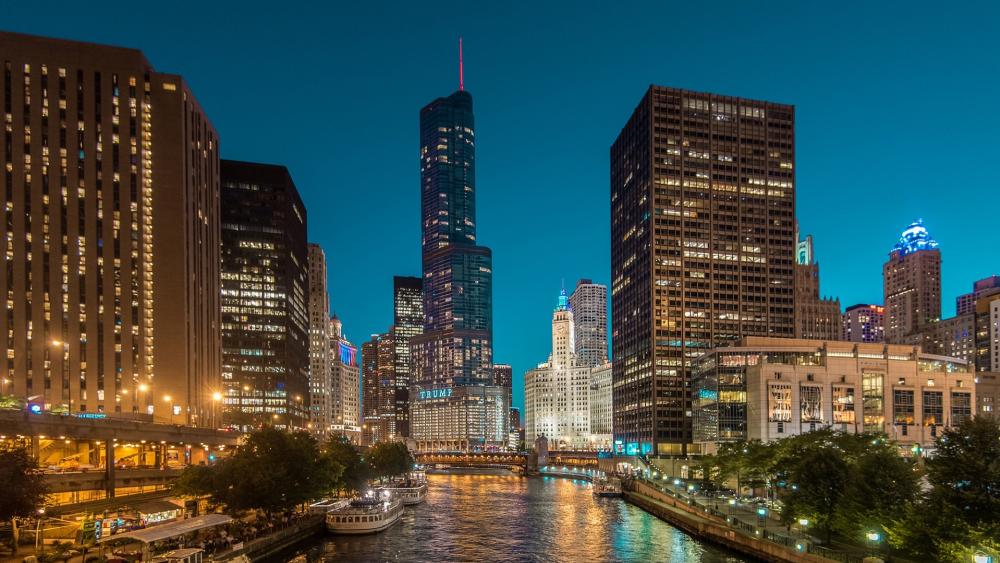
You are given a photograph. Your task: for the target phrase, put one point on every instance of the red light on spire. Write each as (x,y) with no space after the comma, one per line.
(461,72)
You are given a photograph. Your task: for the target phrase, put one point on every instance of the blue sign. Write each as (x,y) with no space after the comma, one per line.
(632,448)
(90,415)
(435,393)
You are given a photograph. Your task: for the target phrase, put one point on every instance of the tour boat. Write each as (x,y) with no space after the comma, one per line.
(411,491)
(365,515)
(608,487)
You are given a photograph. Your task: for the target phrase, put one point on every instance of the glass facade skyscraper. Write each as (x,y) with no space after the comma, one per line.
(452,401)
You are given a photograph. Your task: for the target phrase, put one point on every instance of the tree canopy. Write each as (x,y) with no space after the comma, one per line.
(271,470)
(387,459)
(24,488)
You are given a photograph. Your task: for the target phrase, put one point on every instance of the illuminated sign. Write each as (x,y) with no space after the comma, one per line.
(435,393)
(348,354)
(90,415)
(632,448)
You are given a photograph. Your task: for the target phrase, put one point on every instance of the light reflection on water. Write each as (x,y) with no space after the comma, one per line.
(511,518)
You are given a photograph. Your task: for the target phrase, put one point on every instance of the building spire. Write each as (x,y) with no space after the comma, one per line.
(461,70)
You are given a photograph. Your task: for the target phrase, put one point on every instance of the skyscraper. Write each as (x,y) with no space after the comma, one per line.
(111,190)
(816,317)
(347,383)
(557,392)
(702,247)
(408,321)
(589,303)
(320,375)
(265,288)
(452,402)
(864,323)
(911,279)
(378,398)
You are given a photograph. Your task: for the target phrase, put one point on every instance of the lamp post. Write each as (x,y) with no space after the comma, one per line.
(981,557)
(167,399)
(873,539)
(732,506)
(762,516)
(216,399)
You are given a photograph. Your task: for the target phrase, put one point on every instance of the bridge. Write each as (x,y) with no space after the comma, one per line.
(511,460)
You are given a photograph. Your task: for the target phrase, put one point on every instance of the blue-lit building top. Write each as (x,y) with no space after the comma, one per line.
(563,303)
(914,238)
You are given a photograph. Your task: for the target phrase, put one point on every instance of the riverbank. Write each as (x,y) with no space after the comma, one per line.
(764,542)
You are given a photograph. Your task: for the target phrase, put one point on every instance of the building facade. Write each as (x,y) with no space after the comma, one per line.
(557,392)
(816,317)
(347,381)
(111,189)
(702,247)
(954,337)
(379,364)
(408,321)
(453,404)
(320,375)
(966,303)
(265,288)
(601,406)
(987,337)
(864,323)
(589,303)
(987,393)
(911,281)
(768,388)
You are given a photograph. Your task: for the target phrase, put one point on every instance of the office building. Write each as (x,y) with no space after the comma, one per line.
(408,321)
(864,323)
(265,288)
(987,328)
(515,433)
(987,393)
(702,247)
(601,406)
(347,382)
(815,317)
(111,189)
(379,363)
(966,303)
(320,375)
(589,303)
(557,392)
(954,337)
(912,284)
(768,388)
(453,404)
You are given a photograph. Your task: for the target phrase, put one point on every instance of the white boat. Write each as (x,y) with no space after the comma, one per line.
(365,515)
(410,491)
(608,487)
(327,505)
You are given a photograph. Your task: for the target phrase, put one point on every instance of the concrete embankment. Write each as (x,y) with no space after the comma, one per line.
(262,548)
(711,528)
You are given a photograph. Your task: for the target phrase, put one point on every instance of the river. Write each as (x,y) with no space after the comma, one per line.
(512,518)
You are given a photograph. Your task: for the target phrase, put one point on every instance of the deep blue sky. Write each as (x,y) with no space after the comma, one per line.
(896,109)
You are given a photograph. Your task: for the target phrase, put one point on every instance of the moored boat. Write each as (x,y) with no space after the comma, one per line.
(367,515)
(411,491)
(608,487)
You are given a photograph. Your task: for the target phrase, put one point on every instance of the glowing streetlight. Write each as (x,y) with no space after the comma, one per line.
(981,557)
(216,396)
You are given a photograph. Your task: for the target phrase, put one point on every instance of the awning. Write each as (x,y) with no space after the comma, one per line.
(173,529)
(154,506)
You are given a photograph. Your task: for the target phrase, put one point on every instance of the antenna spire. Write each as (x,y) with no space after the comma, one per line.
(461,72)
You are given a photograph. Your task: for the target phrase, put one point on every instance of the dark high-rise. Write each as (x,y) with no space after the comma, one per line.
(110,187)
(265,288)
(452,399)
(408,321)
(702,248)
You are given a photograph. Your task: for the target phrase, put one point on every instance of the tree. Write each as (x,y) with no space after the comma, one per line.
(960,514)
(388,459)
(819,479)
(355,471)
(880,483)
(24,488)
(272,470)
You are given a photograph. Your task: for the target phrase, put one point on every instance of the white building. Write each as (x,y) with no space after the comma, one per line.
(589,305)
(320,374)
(346,382)
(600,406)
(557,392)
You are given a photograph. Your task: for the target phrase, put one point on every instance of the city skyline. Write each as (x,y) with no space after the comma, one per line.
(527,270)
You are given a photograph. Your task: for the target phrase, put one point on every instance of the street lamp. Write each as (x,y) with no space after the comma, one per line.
(981,557)
(873,539)
(804,522)
(216,399)
(762,515)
